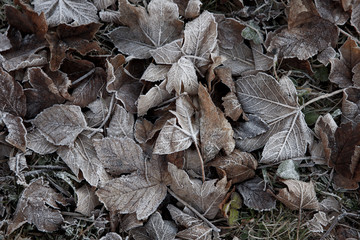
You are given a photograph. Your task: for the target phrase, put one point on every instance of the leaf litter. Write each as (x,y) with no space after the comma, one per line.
(158,119)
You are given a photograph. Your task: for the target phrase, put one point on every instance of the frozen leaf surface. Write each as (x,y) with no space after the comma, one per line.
(86,200)
(318,222)
(38,143)
(121,123)
(76,12)
(182,77)
(17,131)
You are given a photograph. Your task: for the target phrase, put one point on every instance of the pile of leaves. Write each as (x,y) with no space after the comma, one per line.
(161,120)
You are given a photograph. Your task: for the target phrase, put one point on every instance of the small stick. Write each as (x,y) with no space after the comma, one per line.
(83,77)
(349,35)
(194,211)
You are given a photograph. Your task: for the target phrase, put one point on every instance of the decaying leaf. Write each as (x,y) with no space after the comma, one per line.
(351,106)
(155,73)
(287,170)
(67,11)
(298,195)
(12,98)
(189,8)
(86,200)
(276,104)
(140,192)
(156,228)
(232,106)
(38,206)
(38,143)
(5,43)
(61,124)
(97,111)
(215,131)
(255,196)
(121,123)
(17,131)
(147,29)
(111,236)
(182,77)
(252,127)
(204,197)
(318,222)
(17,164)
(195,228)
(355,16)
(239,166)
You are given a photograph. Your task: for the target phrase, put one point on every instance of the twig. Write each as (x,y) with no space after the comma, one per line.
(349,35)
(336,220)
(49,167)
(327,95)
(194,211)
(83,77)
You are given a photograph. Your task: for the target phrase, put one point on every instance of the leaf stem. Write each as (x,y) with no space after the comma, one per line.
(327,95)
(83,77)
(194,211)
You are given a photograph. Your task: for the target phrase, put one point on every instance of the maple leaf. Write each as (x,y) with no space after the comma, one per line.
(204,197)
(182,77)
(275,103)
(76,12)
(301,38)
(38,199)
(86,200)
(121,123)
(147,29)
(141,192)
(298,195)
(255,196)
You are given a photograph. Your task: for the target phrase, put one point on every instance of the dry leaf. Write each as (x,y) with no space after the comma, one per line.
(38,199)
(189,8)
(355,15)
(275,103)
(12,98)
(155,73)
(121,123)
(86,200)
(103,4)
(147,29)
(232,106)
(140,192)
(298,195)
(318,222)
(17,131)
(38,143)
(332,11)
(255,196)
(239,166)
(351,106)
(143,130)
(97,111)
(204,197)
(111,236)
(17,164)
(119,155)
(82,157)
(66,11)
(215,131)
(5,43)
(182,77)
(61,124)
(252,127)
(169,53)
(129,221)
(155,228)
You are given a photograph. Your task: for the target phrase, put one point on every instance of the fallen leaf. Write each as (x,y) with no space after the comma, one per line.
(275,103)
(169,53)
(189,8)
(298,195)
(332,11)
(204,197)
(38,199)
(121,123)
(287,170)
(12,98)
(17,164)
(111,236)
(215,131)
(232,106)
(5,43)
(98,110)
(182,77)
(66,11)
(140,192)
(239,166)
(129,221)
(156,228)
(355,16)
(350,108)
(252,127)
(255,196)
(147,29)
(38,143)
(61,124)
(103,4)
(86,200)
(17,131)
(318,222)
(155,73)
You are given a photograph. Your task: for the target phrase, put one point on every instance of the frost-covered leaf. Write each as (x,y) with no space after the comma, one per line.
(38,206)
(156,228)
(97,111)
(147,29)
(351,106)
(355,15)
(332,11)
(140,192)
(239,166)
(215,131)
(255,196)
(189,8)
(121,123)
(103,4)
(287,170)
(12,98)
(86,200)
(155,73)
(76,12)
(82,157)
(275,103)
(252,127)
(61,124)
(182,77)
(111,236)
(232,106)
(17,131)
(318,222)
(17,164)
(169,53)
(5,43)
(38,143)
(204,197)
(119,155)
(298,195)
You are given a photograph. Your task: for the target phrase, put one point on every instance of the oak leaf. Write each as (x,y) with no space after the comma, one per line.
(66,11)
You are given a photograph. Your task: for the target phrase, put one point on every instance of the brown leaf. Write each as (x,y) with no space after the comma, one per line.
(68,37)
(239,166)
(182,77)
(97,111)
(232,106)
(355,15)
(189,8)
(332,11)
(298,195)
(255,196)
(12,98)
(121,123)
(38,199)
(301,38)
(5,43)
(147,29)
(215,131)
(67,11)
(43,94)
(252,127)
(341,69)
(169,53)
(318,222)
(38,143)
(351,106)
(140,192)
(155,73)
(145,130)
(17,131)
(61,124)
(82,157)
(203,196)
(17,164)
(111,236)
(86,200)
(126,88)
